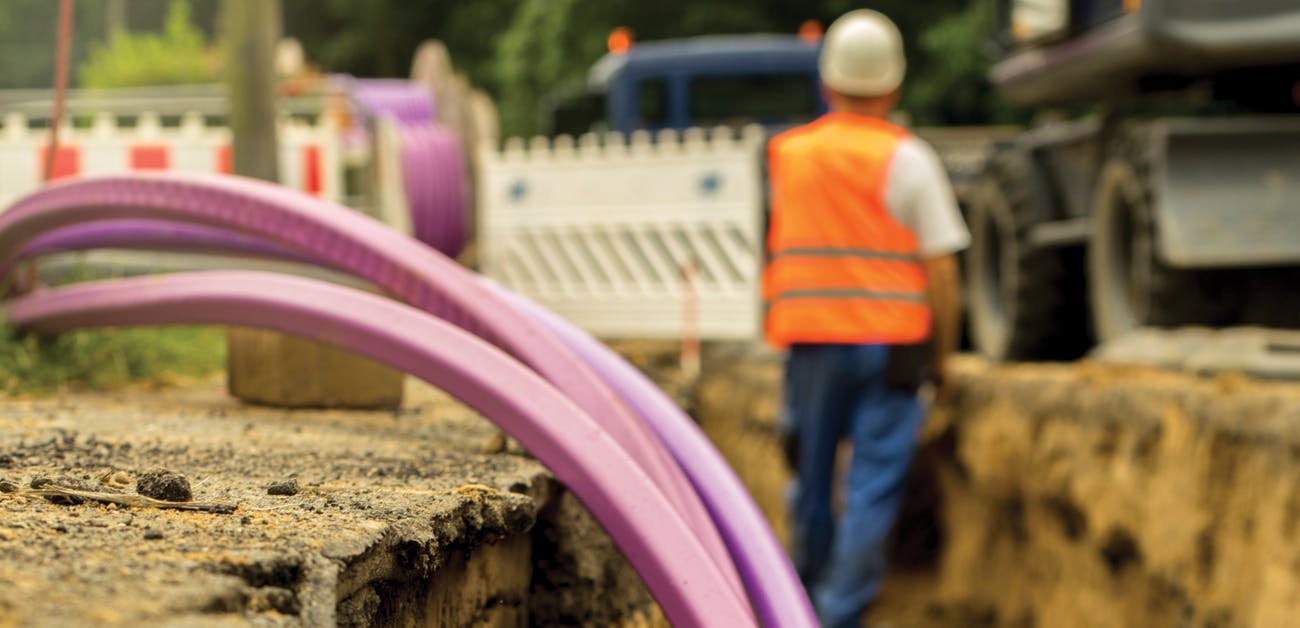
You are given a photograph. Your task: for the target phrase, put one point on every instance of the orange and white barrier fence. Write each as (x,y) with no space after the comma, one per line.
(309,153)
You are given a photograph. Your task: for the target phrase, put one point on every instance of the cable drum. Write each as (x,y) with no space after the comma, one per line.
(405,101)
(433,166)
(433,175)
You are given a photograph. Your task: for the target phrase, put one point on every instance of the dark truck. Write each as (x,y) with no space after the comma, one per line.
(1173,201)
(730,80)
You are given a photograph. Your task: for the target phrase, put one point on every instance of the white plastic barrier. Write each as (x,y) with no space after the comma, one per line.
(601,230)
(309,154)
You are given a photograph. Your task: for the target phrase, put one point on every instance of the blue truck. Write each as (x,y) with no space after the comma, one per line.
(731,80)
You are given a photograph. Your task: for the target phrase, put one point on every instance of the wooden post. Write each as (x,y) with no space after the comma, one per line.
(251,28)
(266,367)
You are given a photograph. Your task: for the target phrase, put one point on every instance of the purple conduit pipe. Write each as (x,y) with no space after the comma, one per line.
(568,441)
(433,171)
(155,235)
(433,175)
(341,238)
(407,101)
(774,588)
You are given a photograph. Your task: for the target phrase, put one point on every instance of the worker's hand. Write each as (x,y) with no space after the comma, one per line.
(944,385)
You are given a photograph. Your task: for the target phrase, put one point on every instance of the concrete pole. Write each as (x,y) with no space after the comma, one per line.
(262,366)
(250,30)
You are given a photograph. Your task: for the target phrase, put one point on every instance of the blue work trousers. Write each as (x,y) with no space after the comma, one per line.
(835,392)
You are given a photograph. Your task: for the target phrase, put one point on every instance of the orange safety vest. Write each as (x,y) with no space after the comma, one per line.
(842,269)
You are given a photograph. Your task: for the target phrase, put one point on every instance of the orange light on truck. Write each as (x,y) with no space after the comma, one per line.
(810,32)
(620,40)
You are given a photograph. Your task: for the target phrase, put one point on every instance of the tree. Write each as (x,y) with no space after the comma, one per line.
(27,36)
(378,38)
(550,43)
(952,88)
(179,55)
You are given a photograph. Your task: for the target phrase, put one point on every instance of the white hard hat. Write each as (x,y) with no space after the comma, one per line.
(862,55)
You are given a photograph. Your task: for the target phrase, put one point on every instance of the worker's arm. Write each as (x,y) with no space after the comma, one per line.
(944,292)
(921,197)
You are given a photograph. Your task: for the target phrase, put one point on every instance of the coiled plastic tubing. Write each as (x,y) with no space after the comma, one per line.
(433,169)
(774,591)
(567,440)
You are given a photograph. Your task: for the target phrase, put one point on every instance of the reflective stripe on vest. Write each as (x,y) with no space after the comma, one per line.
(842,269)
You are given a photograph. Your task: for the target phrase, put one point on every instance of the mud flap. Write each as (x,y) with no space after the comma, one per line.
(1227,191)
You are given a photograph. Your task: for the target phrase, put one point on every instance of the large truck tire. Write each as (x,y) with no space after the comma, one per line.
(1024,302)
(1129,284)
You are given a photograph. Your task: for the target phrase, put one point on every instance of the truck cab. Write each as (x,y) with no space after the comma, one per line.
(728,80)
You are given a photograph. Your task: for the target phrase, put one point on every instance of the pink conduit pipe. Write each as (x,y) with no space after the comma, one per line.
(342,238)
(154,235)
(433,175)
(578,450)
(767,575)
(433,171)
(407,101)
(774,588)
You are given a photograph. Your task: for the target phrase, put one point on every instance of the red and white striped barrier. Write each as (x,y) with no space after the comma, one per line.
(309,154)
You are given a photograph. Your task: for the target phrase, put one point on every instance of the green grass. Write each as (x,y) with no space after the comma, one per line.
(108,358)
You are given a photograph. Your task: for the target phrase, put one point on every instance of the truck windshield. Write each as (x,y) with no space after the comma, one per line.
(652,103)
(769,99)
(576,115)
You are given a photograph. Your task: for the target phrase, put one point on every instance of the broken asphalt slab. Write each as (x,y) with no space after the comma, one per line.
(385,503)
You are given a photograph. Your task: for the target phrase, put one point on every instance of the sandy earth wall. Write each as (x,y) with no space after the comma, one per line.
(1073,495)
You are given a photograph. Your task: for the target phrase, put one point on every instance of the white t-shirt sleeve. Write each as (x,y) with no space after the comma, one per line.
(920,196)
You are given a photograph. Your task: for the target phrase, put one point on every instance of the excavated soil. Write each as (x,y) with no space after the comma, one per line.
(1069,495)
(414,517)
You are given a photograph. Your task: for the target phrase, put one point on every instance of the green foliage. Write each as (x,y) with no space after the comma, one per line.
(106,358)
(522,49)
(951,88)
(538,52)
(177,56)
(27,39)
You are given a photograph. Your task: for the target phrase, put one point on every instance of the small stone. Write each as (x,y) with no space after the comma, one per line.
(152,535)
(276,599)
(7,461)
(115,479)
(516,448)
(61,482)
(494,444)
(245,520)
(9,486)
(285,487)
(164,485)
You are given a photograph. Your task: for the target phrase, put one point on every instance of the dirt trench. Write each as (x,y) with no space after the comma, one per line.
(1070,495)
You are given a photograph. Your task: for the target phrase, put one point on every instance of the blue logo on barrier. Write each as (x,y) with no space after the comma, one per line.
(710,183)
(518,190)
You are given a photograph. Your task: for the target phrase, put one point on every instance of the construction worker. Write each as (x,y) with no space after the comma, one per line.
(862,289)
